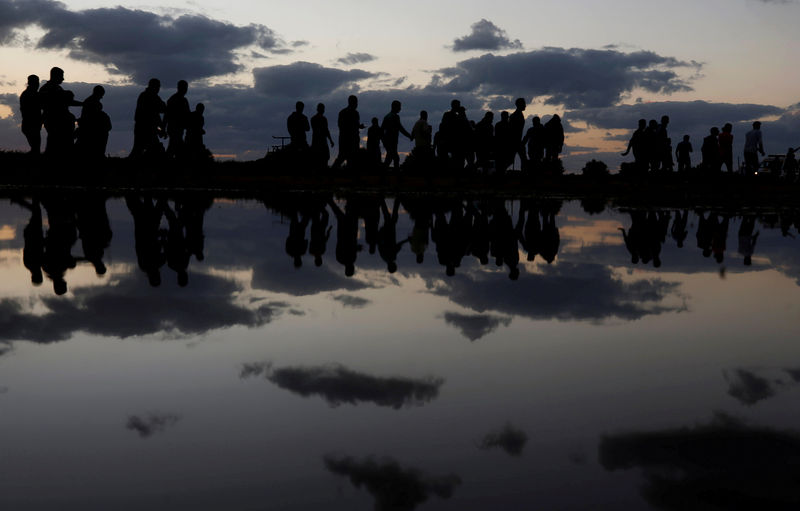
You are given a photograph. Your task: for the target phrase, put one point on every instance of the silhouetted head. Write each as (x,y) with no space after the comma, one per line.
(99,268)
(391,266)
(349,270)
(504,116)
(320,108)
(664,120)
(154,84)
(183,278)
(423,115)
(352,102)
(531,256)
(727,128)
(536,121)
(488,116)
(396,106)
(57,75)
(299,107)
(60,286)
(33,82)
(653,124)
(757,125)
(183,87)
(642,124)
(686,138)
(375,121)
(520,103)
(455,105)
(556,118)
(36,277)
(98,91)
(200,108)
(714,131)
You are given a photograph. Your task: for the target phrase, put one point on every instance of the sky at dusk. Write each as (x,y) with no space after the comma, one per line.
(601,65)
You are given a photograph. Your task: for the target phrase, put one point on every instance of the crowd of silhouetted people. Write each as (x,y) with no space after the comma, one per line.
(86,137)
(458,143)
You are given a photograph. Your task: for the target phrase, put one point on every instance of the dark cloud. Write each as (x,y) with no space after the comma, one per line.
(794,373)
(151,424)
(132,308)
(725,464)
(475,326)
(138,43)
(304,79)
(510,439)
(338,385)
(356,58)
(353,302)
(567,291)
(253,369)
(573,77)
(747,387)
(485,35)
(393,486)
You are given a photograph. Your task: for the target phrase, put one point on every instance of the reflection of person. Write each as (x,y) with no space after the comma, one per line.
(747,240)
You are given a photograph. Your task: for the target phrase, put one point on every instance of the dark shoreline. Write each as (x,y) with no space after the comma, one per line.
(254,179)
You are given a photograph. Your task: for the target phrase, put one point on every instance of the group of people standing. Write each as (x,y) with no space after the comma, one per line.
(458,143)
(49,105)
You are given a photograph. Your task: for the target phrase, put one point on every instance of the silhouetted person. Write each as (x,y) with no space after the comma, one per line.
(320,137)
(94,126)
(392,127)
(148,125)
(638,144)
(710,151)
(463,150)
(753,146)
(195,129)
(747,240)
(448,131)
(683,152)
(374,135)
(554,138)
(30,106)
(725,140)
(421,133)
(790,165)
(502,136)
(484,140)
(58,120)
(652,145)
(176,120)
(517,122)
(349,123)
(535,139)
(94,230)
(665,145)
(297,125)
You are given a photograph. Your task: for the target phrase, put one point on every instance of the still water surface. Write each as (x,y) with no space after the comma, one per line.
(216,355)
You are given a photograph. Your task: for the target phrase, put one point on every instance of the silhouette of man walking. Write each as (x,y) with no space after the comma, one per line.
(176,119)
(148,125)
(297,125)
(58,120)
(30,106)
(349,123)
(392,127)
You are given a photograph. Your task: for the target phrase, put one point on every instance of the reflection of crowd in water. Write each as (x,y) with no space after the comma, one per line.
(170,232)
(456,229)
(649,230)
(84,217)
